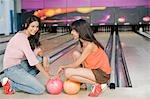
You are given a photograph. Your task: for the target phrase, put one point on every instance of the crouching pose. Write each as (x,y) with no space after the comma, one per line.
(96,68)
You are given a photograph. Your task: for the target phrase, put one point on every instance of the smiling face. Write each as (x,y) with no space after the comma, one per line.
(33,28)
(75,34)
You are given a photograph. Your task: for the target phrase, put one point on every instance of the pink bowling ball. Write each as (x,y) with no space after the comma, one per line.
(54,86)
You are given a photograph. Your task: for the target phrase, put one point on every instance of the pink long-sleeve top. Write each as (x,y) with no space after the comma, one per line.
(18,48)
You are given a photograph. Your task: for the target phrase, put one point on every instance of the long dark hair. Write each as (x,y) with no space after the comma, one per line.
(31,19)
(33,39)
(85,31)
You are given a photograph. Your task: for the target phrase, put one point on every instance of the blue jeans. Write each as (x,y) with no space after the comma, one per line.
(22,78)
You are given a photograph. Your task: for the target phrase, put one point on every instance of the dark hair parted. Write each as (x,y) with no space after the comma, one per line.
(33,39)
(85,31)
(31,19)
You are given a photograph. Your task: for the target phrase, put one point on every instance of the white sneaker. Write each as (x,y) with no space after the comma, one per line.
(6,86)
(4,81)
(104,87)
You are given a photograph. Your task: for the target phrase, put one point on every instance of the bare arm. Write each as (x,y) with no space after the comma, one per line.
(87,50)
(46,63)
(40,53)
(41,69)
(45,59)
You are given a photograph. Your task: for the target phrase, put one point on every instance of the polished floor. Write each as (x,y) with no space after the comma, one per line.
(137,54)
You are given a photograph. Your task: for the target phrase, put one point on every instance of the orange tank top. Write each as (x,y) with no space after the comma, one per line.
(98,59)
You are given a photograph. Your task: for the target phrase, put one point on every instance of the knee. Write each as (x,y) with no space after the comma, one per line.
(76,54)
(40,89)
(68,72)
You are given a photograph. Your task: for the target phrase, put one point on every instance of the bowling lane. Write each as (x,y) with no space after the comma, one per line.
(137,55)
(4,39)
(102,37)
(50,44)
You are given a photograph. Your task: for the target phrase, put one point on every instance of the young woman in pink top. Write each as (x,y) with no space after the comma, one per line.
(17,50)
(35,46)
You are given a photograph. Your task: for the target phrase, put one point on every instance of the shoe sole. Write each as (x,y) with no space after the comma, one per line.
(4,81)
(104,87)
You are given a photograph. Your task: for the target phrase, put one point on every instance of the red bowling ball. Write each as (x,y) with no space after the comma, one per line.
(55,86)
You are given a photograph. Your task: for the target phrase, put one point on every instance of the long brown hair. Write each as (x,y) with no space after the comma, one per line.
(33,39)
(85,32)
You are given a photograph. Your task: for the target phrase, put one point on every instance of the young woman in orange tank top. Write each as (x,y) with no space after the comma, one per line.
(96,69)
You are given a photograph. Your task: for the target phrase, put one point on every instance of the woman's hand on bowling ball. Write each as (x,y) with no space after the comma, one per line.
(60,70)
